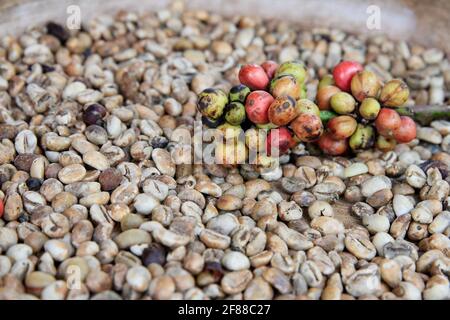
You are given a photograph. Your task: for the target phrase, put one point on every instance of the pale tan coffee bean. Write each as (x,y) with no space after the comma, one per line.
(72,173)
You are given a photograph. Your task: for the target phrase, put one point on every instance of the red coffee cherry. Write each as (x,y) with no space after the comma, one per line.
(407,130)
(387,122)
(257,105)
(270,67)
(344,72)
(331,146)
(279,138)
(254,77)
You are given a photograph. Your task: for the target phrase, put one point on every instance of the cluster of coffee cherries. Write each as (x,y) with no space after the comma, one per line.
(362,110)
(269,104)
(354,110)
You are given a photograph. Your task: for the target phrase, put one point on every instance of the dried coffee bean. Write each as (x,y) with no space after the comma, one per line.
(360,246)
(154,253)
(159,142)
(292,185)
(58,31)
(33,184)
(110,179)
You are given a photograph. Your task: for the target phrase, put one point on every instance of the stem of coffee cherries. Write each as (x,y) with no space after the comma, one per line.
(353,111)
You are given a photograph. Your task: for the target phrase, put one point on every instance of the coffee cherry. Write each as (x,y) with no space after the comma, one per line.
(278,141)
(369,108)
(230,132)
(365,84)
(324,96)
(327,80)
(257,105)
(394,93)
(2,208)
(235,113)
(210,123)
(344,72)
(282,111)
(407,130)
(239,93)
(387,122)
(270,67)
(254,77)
(303,93)
(363,138)
(342,127)
(293,68)
(343,103)
(327,115)
(331,146)
(285,85)
(211,103)
(231,153)
(307,106)
(385,144)
(255,139)
(307,127)
(266,126)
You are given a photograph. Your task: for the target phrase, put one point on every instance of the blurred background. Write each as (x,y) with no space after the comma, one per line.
(424,22)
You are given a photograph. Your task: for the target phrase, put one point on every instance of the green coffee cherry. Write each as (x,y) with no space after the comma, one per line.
(303,94)
(327,80)
(235,113)
(363,138)
(229,131)
(255,139)
(293,68)
(239,93)
(211,103)
(369,108)
(210,123)
(343,103)
(385,144)
(307,106)
(327,115)
(266,126)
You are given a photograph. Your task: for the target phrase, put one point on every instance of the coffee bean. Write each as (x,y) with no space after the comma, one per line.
(58,31)
(33,184)
(154,253)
